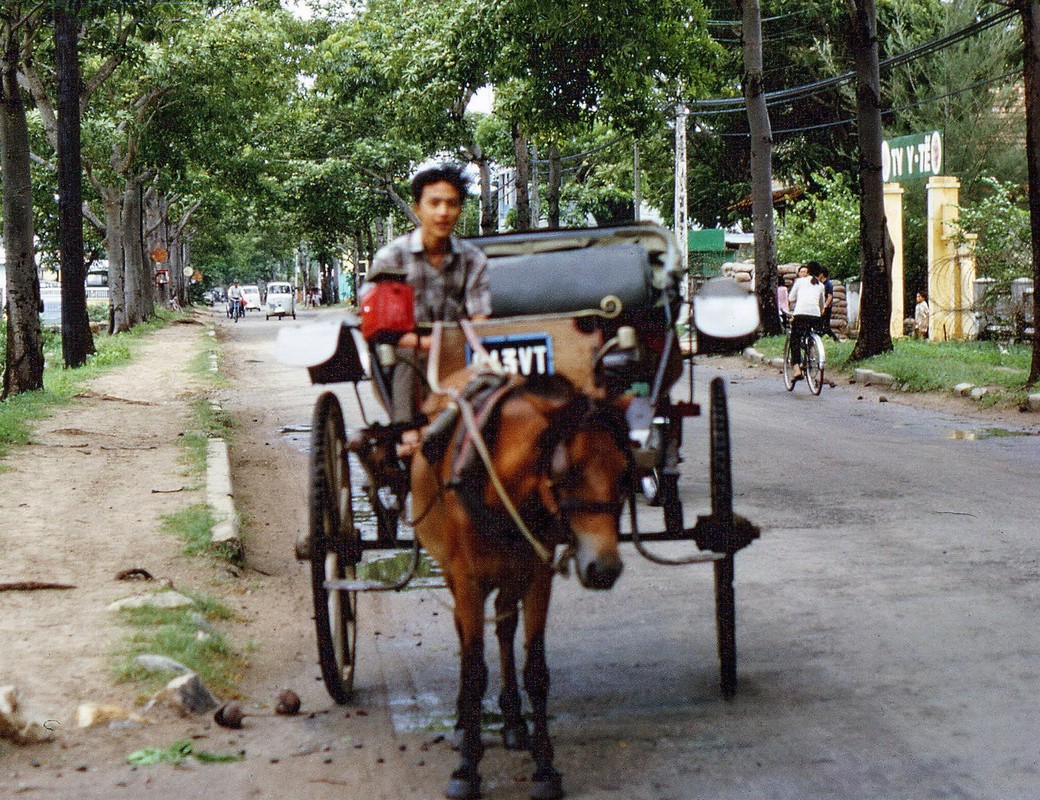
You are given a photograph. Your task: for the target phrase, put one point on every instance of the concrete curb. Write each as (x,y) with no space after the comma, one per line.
(869,376)
(220,497)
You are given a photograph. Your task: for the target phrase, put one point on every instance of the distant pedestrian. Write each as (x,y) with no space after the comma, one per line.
(828,300)
(922,314)
(783,305)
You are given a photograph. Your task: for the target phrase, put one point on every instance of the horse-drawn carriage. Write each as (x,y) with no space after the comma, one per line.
(543,424)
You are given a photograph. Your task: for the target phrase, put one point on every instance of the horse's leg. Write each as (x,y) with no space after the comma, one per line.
(514,729)
(546,783)
(469,623)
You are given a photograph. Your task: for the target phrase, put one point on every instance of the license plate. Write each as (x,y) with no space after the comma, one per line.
(517,354)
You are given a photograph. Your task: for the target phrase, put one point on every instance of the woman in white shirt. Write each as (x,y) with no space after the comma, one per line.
(806,299)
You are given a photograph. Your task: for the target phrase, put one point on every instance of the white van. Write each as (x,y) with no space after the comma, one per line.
(251,296)
(281,300)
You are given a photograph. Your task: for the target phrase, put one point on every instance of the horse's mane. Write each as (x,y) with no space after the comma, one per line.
(550,387)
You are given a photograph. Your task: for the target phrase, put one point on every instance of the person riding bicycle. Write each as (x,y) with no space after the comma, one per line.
(806,298)
(234,294)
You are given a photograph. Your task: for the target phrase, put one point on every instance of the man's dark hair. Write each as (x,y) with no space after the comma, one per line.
(814,267)
(445,172)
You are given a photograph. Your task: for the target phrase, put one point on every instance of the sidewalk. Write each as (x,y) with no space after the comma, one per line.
(83,503)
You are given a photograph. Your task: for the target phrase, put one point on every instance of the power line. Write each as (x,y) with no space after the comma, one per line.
(735,104)
(885,112)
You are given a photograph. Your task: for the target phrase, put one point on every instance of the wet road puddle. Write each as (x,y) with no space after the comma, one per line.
(985,433)
(298,435)
(393,567)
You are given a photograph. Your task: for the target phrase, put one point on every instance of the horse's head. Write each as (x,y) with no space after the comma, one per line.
(585,471)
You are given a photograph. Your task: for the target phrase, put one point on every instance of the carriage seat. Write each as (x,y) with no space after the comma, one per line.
(570,280)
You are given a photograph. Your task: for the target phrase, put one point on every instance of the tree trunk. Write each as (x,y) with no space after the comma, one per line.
(875,247)
(119,317)
(761,168)
(1031,69)
(155,239)
(76,340)
(138,282)
(325,279)
(488,212)
(24,358)
(523,179)
(552,188)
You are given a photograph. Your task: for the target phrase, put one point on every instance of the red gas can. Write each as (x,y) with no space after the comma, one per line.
(388,311)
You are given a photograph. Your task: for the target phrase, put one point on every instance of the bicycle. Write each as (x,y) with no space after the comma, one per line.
(238,309)
(814,360)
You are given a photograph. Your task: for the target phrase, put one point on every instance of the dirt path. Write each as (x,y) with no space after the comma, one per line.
(82,503)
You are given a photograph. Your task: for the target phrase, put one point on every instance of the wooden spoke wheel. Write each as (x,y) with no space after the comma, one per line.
(335,548)
(722,511)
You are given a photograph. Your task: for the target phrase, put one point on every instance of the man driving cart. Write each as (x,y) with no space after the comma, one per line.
(448,276)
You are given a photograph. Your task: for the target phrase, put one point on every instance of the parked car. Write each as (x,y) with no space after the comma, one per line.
(281,300)
(209,297)
(251,294)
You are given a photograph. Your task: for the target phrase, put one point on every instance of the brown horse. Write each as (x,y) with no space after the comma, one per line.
(563,462)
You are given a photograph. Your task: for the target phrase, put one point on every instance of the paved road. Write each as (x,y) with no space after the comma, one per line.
(887,621)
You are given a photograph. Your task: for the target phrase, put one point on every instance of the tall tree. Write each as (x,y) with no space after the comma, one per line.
(23,366)
(76,340)
(761,167)
(875,247)
(1030,11)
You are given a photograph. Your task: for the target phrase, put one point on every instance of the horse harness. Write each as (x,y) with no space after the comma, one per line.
(461,428)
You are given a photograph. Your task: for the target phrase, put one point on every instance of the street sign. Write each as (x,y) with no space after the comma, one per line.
(914,157)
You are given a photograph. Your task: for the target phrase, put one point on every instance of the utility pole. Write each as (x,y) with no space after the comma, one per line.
(681,222)
(637,189)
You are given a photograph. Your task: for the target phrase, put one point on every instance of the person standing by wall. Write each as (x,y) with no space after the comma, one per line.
(828,298)
(921,317)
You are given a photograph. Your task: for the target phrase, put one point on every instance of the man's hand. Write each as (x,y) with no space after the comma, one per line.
(415,341)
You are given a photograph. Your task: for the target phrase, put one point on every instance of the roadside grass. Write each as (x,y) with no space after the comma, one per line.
(20,412)
(194,527)
(187,635)
(207,422)
(922,366)
(209,350)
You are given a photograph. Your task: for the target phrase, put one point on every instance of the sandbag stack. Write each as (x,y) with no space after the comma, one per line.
(743,272)
(840,310)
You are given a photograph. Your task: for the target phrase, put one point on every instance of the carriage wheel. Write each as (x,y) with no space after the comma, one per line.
(722,511)
(334,548)
(788,365)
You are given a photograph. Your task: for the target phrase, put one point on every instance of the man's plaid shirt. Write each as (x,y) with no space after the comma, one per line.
(458,290)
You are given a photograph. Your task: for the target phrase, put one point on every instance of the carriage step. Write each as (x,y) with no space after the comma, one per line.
(368,585)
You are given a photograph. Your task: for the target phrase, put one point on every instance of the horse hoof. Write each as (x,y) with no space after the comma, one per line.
(549,787)
(516,738)
(463,789)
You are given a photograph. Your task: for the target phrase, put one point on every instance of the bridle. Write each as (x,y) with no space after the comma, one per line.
(592,416)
